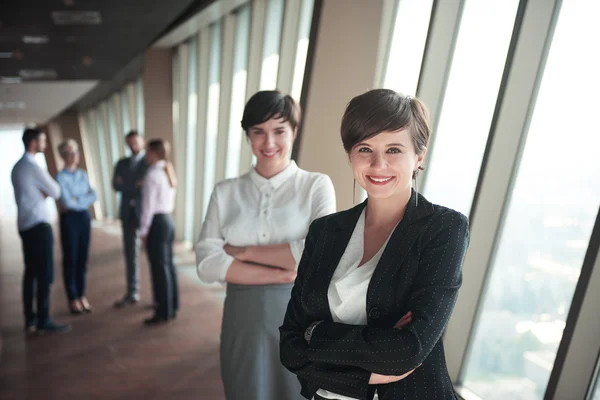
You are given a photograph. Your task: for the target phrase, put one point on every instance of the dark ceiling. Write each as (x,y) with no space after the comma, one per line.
(97,51)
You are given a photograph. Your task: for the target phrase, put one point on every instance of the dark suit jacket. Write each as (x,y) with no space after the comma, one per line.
(419,271)
(129,188)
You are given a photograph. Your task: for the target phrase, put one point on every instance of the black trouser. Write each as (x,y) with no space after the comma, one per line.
(162,267)
(75,240)
(39,271)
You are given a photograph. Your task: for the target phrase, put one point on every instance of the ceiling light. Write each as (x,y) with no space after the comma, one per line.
(7,80)
(76,17)
(6,54)
(38,74)
(12,105)
(35,39)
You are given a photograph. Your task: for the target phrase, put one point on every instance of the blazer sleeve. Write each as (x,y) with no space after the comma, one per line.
(343,379)
(390,351)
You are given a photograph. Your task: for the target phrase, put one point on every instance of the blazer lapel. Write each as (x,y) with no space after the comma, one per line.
(337,236)
(398,247)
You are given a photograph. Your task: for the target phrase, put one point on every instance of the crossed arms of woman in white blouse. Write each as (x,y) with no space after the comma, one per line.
(261,265)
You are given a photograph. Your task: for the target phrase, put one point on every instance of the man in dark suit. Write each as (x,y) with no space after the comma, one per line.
(127,179)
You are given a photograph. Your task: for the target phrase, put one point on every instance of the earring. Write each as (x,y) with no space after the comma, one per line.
(354,192)
(416,185)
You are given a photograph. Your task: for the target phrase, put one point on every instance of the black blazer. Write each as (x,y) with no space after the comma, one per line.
(129,188)
(419,271)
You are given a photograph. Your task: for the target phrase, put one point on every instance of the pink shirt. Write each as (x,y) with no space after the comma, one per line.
(158,197)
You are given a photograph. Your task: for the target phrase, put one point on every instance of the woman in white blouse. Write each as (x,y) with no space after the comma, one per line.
(253,238)
(157,230)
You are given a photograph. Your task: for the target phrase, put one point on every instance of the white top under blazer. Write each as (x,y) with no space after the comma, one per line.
(347,293)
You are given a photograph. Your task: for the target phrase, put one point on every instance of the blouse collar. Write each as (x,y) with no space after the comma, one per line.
(277,180)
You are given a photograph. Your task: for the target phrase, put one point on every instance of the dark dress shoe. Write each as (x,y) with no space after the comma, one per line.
(51,327)
(155,320)
(31,325)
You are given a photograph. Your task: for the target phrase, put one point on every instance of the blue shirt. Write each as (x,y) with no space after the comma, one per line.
(32,184)
(76,193)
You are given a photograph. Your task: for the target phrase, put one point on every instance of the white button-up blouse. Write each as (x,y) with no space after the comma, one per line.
(254,211)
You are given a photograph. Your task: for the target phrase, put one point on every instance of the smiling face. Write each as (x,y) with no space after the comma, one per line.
(384,164)
(271,143)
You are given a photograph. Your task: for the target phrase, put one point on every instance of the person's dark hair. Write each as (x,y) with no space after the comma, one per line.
(132,133)
(268,104)
(29,135)
(384,110)
(162,148)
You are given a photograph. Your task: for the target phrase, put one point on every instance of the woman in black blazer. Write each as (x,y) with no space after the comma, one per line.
(393,263)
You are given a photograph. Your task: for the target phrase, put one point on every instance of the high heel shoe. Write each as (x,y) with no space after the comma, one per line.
(86,305)
(76,308)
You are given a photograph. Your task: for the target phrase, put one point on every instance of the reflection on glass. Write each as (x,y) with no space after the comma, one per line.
(549,221)
(469,102)
(408,43)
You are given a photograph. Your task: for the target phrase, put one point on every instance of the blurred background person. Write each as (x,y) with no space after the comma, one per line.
(253,238)
(158,231)
(76,197)
(127,179)
(32,185)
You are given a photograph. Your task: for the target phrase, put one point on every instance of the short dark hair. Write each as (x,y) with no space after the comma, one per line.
(268,104)
(132,133)
(29,135)
(384,110)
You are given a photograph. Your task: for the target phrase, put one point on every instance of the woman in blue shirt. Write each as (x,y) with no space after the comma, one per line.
(75,223)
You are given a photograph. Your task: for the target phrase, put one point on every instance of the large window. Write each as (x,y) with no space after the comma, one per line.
(469,103)
(305,23)
(270,61)
(238,92)
(405,56)
(190,144)
(212,114)
(548,223)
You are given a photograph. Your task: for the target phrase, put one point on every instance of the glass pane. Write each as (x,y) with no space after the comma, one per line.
(125,112)
(139,90)
(104,162)
(114,137)
(270,62)
(212,114)
(549,221)
(12,151)
(302,49)
(238,92)
(405,56)
(475,76)
(596,392)
(190,146)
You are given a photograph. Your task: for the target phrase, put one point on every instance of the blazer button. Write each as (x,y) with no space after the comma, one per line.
(374,313)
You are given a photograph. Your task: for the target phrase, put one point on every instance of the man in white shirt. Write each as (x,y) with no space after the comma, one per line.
(32,185)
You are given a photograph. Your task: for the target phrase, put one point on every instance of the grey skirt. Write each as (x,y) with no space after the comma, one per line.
(250,365)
